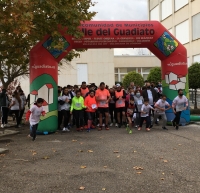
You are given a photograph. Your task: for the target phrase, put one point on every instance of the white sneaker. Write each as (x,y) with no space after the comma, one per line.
(103,125)
(98,125)
(66,129)
(116,125)
(157,120)
(2,125)
(111,124)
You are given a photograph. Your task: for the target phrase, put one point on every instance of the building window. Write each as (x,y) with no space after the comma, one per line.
(131,69)
(196,58)
(196,26)
(154,14)
(123,70)
(182,32)
(166,8)
(179,4)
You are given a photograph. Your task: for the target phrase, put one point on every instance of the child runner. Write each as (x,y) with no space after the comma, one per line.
(130,112)
(91,104)
(77,107)
(179,104)
(139,100)
(160,108)
(33,115)
(145,110)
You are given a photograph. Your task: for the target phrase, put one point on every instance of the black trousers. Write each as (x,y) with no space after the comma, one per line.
(79,118)
(16,112)
(33,131)
(60,118)
(21,113)
(177,117)
(4,115)
(147,119)
(66,115)
(112,112)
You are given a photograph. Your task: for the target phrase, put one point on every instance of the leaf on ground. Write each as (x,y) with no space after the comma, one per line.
(83,167)
(138,168)
(118,156)
(90,151)
(179,144)
(115,151)
(80,151)
(165,161)
(34,153)
(134,151)
(74,140)
(139,172)
(105,166)
(103,189)
(45,157)
(163,173)
(82,188)
(162,178)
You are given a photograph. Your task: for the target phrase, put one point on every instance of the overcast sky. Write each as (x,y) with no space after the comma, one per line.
(127,10)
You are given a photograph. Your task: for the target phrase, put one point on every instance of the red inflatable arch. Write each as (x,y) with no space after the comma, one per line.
(44,59)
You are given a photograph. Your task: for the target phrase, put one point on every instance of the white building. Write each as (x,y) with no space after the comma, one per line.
(182,19)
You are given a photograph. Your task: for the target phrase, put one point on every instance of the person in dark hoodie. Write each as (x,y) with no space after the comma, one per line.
(4,104)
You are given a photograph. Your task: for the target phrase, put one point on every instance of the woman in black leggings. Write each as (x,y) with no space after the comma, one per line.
(15,107)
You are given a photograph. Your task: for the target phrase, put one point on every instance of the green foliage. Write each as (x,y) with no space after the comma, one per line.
(25,22)
(193,75)
(155,75)
(133,77)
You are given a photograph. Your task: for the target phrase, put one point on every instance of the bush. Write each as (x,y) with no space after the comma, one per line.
(133,77)
(154,75)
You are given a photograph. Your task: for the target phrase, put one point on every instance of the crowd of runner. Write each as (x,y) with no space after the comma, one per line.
(92,106)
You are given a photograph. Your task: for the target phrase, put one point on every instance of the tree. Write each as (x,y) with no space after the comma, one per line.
(194,80)
(154,75)
(133,77)
(25,22)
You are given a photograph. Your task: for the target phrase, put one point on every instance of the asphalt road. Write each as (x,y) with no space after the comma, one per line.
(103,161)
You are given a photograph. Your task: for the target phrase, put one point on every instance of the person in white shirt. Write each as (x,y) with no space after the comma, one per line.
(145,115)
(33,115)
(15,107)
(160,108)
(179,104)
(60,117)
(65,102)
(23,104)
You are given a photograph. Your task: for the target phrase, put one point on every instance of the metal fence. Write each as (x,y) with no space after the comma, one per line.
(192,93)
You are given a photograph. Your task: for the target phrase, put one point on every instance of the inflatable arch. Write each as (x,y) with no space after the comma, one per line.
(44,60)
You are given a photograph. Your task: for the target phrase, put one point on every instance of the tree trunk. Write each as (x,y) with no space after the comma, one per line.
(195,98)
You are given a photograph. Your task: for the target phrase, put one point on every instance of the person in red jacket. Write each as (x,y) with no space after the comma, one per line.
(91,105)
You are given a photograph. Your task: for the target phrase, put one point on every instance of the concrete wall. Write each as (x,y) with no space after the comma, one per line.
(136,61)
